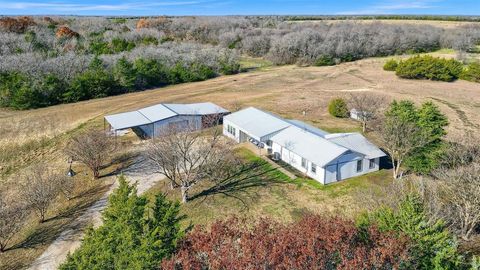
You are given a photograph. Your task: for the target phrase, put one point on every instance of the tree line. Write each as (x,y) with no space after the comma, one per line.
(20,91)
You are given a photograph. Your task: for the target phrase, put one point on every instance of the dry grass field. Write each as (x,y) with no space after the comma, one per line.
(443,24)
(29,137)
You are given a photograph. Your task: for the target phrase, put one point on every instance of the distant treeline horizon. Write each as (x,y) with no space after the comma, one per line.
(305,17)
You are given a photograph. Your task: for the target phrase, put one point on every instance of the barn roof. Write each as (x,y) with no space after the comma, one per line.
(157,112)
(160,112)
(196,108)
(127,120)
(257,122)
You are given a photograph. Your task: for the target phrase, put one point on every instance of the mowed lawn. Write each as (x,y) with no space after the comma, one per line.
(264,191)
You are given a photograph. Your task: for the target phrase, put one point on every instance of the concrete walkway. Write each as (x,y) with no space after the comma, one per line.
(69,240)
(262,154)
(278,167)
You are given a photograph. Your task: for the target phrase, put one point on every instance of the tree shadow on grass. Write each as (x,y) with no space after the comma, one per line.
(242,185)
(121,163)
(66,225)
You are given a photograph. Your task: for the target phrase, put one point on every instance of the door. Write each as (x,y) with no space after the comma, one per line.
(331,173)
(243,137)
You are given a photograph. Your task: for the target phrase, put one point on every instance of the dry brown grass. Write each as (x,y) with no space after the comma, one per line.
(36,237)
(443,24)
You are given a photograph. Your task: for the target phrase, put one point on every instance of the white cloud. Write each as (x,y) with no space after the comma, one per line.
(392,6)
(54,6)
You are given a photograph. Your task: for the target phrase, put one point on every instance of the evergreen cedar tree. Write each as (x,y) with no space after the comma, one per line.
(431,122)
(426,67)
(391,65)
(431,246)
(338,108)
(136,233)
(314,242)
(471,73)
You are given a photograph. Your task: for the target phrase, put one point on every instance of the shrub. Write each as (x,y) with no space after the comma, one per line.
(391,65)
(324,60)
(471,73)
(431,68)
(121,45)
(314,242)
(338,108)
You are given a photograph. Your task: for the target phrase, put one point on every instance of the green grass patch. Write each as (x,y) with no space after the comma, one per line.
(446,51)
(252,63)
(345,187)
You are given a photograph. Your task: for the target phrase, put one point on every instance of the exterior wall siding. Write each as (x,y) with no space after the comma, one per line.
(296,161)
(160,127)
(346,167)
(342,168)
(226,133)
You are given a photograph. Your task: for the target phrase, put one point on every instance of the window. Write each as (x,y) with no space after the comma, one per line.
(314,168)
(359,165)
(372,163)
(304,163)
(231,130)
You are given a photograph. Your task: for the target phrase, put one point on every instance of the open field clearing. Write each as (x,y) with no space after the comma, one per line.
(443,24)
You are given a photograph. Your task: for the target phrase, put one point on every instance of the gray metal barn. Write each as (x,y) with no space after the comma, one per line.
(154,120)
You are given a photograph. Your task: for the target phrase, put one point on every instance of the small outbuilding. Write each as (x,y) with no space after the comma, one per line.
(157,119)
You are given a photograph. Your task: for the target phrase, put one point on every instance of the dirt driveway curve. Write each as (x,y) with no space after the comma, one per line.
(70,239)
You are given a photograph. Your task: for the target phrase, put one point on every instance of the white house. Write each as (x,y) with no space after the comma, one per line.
(154,120)
(324,157)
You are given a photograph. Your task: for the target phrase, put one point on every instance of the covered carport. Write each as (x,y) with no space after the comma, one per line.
(128,120)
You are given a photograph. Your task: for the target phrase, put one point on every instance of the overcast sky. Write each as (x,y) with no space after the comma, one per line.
(239,7)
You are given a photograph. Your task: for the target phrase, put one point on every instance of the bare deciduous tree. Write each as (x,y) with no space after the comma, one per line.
(400,139)
(187,156)
(92,149)
(13,214)
(40,188)
(368,107)
(459,190)
(454,194)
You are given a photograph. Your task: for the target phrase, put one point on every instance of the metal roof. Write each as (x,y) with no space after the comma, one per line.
(257,122)
(127,120)
(157,112)
(196,108)
(160,112)
(308,145)
(307,127)
(357,143)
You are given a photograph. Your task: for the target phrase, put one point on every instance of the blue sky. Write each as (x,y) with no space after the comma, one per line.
(239,7)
